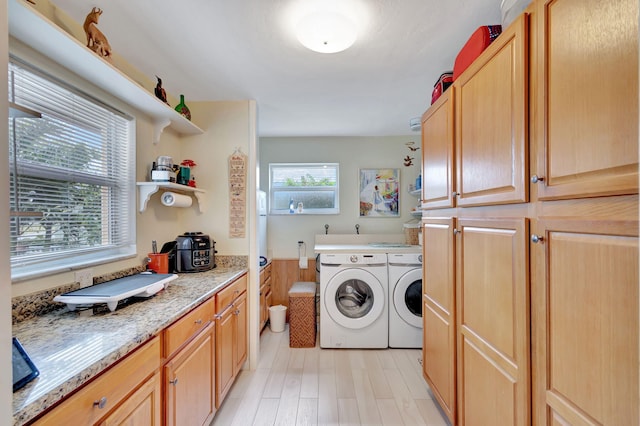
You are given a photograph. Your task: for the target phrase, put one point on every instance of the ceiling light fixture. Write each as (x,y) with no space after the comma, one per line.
(326,32)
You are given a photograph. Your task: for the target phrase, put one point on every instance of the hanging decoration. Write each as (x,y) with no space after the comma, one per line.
(237,194)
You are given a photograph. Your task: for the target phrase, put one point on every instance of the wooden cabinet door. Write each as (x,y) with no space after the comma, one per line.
(491,122)
(585,322)
(224,353)
(240,314)
(142,408)
(438,153)
(492,292)
(439,327)
(189,382)
(586,128)
(263,306)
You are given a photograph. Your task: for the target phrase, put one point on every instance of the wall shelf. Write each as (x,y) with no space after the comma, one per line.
(34,29)
(147,189)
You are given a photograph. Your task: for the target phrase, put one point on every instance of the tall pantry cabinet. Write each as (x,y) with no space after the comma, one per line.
(585,249)
(544,281)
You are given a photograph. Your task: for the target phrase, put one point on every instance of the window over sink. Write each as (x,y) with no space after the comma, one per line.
(304,188)
(72,176)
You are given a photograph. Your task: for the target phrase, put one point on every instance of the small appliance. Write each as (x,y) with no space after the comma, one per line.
(163,171)
(195,252)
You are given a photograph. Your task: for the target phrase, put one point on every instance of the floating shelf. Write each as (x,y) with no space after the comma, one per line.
(147,189)
(417,213)
(416,192)
(36,30)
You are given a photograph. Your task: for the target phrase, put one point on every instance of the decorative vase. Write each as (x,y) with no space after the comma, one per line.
(183,109)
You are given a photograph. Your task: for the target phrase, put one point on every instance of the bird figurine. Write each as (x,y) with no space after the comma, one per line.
(160,92)
(411,147)
(408,161)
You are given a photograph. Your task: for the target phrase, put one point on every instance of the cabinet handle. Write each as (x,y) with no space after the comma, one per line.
(217,316)
(236,312)
(456,231)
(198,321)
(101,403)
(536,239)
(455,194)
(174,381)
(536,179)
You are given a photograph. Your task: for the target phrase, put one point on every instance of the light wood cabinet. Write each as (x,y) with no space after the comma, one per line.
(438,287)
(142,408)
(491,122)
(438,161)
(586,127)
(492,292)
(585,289)
(108,399)
(231,332)
(190,382)
(265,294)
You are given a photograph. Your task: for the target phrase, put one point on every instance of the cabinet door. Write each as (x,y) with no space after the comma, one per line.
(438,287)
(491,122)
(224,353)
(492,291)
(264,313)
(585,324)
(240,332)
(586,129)
(142,408)
(189,382)
(438,153)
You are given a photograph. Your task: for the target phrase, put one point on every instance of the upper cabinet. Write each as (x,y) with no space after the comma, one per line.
(586,121)
(475,136)
(437,153)
(491,122)
(34,29)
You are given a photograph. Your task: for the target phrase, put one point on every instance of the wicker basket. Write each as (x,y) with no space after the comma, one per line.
(411,231)
(302,315)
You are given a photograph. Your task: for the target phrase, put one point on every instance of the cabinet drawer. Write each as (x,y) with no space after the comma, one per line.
(265,274)
(227,295)
(108,389)
(181,331)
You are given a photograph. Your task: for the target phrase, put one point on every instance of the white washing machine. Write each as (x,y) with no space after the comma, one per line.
(354,310)
(405,292)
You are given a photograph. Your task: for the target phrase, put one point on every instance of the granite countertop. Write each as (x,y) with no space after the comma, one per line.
(70,348)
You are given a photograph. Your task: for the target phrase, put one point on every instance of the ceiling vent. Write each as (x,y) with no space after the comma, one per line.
(414,124)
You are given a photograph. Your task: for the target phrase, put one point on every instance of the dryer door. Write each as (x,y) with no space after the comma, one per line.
(354,298)
(407,297)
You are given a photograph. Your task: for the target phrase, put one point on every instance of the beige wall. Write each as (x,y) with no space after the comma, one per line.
(352,153)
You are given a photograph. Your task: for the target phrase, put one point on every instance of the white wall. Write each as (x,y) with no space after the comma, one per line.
(6,390)
(352,153)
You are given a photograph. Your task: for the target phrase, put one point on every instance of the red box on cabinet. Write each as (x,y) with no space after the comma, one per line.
(479,40)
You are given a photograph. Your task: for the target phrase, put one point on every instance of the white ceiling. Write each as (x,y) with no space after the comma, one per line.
(245,49)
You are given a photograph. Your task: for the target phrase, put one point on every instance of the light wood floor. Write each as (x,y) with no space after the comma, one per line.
(330,387)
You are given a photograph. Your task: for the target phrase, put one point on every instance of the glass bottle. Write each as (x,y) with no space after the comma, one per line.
(183,109)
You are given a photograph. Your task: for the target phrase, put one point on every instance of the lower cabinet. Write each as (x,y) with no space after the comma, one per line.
(142,408)
(586,326)
(190,382)
(108,400)
(231,345)
(492,312)
(439,339)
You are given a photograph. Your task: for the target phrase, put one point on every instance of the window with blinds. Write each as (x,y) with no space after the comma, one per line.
(304,188)
(72,176)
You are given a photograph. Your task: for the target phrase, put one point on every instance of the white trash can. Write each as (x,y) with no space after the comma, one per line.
(277,318)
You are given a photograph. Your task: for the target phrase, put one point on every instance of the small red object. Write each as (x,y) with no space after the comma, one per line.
(479,40)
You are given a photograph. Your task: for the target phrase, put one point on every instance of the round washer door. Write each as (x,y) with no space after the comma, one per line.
(354,298)
(407,297)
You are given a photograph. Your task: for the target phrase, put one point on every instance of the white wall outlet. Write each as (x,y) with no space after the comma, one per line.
(84,277)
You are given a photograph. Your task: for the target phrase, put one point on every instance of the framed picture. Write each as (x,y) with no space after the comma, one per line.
(379,190)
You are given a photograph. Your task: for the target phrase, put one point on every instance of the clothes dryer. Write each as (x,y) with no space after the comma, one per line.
(405,293)
(354,300)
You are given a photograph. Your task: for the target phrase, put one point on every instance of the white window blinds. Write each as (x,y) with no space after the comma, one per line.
(72,176)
